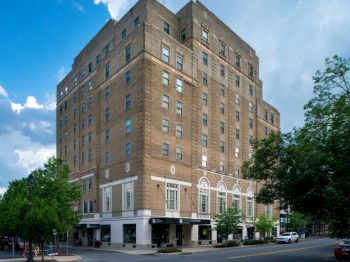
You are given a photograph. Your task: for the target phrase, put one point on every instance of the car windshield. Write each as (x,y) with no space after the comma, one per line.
(285,234)
(346,242)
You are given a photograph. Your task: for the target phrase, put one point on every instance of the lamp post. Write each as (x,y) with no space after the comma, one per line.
(30,187)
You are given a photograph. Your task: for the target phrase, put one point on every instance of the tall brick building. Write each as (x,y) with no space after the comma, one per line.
(155,120)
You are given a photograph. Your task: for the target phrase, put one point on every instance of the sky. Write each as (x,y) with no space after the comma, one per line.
(40,38)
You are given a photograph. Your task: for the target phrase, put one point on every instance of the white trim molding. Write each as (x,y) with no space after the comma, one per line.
(118,182)
(170,180)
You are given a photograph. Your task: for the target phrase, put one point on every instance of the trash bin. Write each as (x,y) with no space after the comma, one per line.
(97,243)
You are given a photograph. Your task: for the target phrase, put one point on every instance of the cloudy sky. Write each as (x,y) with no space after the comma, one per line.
(40,38)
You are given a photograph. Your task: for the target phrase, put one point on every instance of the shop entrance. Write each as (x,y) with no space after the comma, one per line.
(250,232)
(90,236)
(179,235)
(160,234)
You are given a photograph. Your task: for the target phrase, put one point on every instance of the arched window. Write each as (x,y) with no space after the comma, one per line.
(204,193)
(250,202)
(221,197)
(237,194)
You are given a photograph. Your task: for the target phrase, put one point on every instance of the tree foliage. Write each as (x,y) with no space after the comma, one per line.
(309,168)
(227,221)
(263,224)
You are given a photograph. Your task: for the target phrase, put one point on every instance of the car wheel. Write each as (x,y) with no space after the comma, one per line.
(297,240)
(337,256)
(289,241)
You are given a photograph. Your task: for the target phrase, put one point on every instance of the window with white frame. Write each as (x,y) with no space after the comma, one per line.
(222,166)
(107,199)
(179,85)
(179,130)
(237,194)
(250,202)
(128,195)
(237,99)
(250,107)
(205,36)
(268,210)
(165,126)
(128,125)
(179,153)
(204,161)
(165,54)
(221,197)
(165,78)
(172,196)
(205,58)
(165,101)
(237,152)
(179,61)
(179,107)
(204,194)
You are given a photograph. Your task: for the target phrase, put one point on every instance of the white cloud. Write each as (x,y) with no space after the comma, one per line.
(60,73)
(114,6)
(31,103)
(31,159)
(3,91)
(2,190)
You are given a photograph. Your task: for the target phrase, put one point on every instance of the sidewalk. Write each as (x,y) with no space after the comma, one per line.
(47,258)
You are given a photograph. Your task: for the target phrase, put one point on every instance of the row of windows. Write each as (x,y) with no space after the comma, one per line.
(166,81)
(222,124)
(179,60)
(127,197)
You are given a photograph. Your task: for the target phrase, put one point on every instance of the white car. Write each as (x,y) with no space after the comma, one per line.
(288,237)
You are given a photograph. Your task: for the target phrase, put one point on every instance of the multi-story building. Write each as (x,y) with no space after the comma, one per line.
(155,120)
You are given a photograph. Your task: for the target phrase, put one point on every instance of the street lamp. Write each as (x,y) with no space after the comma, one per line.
(30,188)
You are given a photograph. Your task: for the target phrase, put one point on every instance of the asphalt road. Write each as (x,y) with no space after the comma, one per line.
(318,249)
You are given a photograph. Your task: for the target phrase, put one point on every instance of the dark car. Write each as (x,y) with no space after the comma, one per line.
(6,243)
(342,249)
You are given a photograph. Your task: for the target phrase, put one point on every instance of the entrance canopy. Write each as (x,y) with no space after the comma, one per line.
(178,221)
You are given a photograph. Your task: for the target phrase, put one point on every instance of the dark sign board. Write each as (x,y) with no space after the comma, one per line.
(178,221)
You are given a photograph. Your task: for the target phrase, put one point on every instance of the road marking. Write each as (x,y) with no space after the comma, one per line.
(280,251)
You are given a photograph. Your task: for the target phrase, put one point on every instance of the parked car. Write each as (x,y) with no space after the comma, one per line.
(288,237)
(342,249)
(6,243)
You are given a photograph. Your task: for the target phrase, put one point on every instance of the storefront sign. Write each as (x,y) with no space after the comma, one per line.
(178,221)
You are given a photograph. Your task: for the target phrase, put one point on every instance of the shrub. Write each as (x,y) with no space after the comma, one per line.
(230,243)
(169,250)
(249,242)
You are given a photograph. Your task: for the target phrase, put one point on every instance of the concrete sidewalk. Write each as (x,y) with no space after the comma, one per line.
(47,258)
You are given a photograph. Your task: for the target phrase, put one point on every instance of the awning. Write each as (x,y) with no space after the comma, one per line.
(178,221)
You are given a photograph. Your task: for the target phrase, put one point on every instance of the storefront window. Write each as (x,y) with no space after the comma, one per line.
(204,233)
(129,233)
(106,233)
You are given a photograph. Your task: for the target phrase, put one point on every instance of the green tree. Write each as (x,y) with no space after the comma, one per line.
(227,221)
(309,169)
(263,224)
(296,221)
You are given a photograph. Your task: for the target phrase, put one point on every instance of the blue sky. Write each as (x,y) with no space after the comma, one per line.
(40,38)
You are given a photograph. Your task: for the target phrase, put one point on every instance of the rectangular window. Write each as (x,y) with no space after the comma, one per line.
(107,95)
(205,58)
(128,149)
(179,85)
(266,131)
(179,107)
(90,85)
(222,89)
(128,196)
(89,137)
(128,101)
(123,34)
(129,233)
(179,62)
(222,108)
(165,149)
(237,170)
(65,120)
(249,206)
(165,126)
(205,79)
(268,210)
(128,126)
(107,200)
(204,200)
(221,202)
(250,122)
(205,99)
(128,77)
(83,123)
(90,183)
(89,154)
(222,70)
(266,115)
(238,81)
(107,114)
(222,49)
(83,74)
(237,152)
(237,60)
(237,134)
(166,28)
(172,196)
(107,70)
(84,185)
(272,118)
(75,97)
(137,21)
(97,59)
(91,206)
(251,71)
(222,147)
(204,119)
(89,102)
(107,158)
(165,102)
(237,116)
(75,128)
(83,107)
(128,53)
(222,127)
(204,140)
(82,91)
(179,153)
(179,130)
(106,233)
(251,90)
(250,140)
(222,166)
(85,210)
(237,99)
(165,78)
(204,161)
(205,36)
(107,136)
(106,49)
(165,54)
(250,107)
(183,35)
(90,67)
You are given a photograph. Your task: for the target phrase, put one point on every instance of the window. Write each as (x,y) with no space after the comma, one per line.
(221,197)
(75,80)
(90,183)
(266,115)
(172,196)
(128,53)
(250,202)
(89,154)
(128,77)
(75,128)
(204,196)
(237,116)
(129,233)
(128,196)
(82,91)
(128,101)
(179,153)
(250,140)
(83,73)
(165,102)
(106,233)
(89,102)
(107,95)
(84,185)
(97,59)
(91,206)
(85,210)
(204,119)
(237,169)
(83,107)
(61,124)
(222,127)
(204,161)
(107,158)
(205,58)
(237,60)
(90,67)
(237,133)
(74,144)
(222,89)
(205,99)
(204,140)
(272,118)
(266,131)
(182,35)
(179,107)
(89,137)
(107,114)
(128,125)
(165,54)
(205,79)
(83,123)
(90,85)
(107,70)
(128,149)
(238,81)
(237,197)
(205,36)
(165,149)
(165,78)
(237,99)
(166,28)
(137,21)
(251,90)
(106,48)
(179,62)
(250,122)
(179,131)
(123,34)
(222,70)
(179,85)
(165,126)
(74,160)
(107,136)
(65,135)
(222,166)
(251,71)
(107,199)
(250,107)
(237,152)
(268,210)
(222,108)
(222,147)
(75,97)
(222,49)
